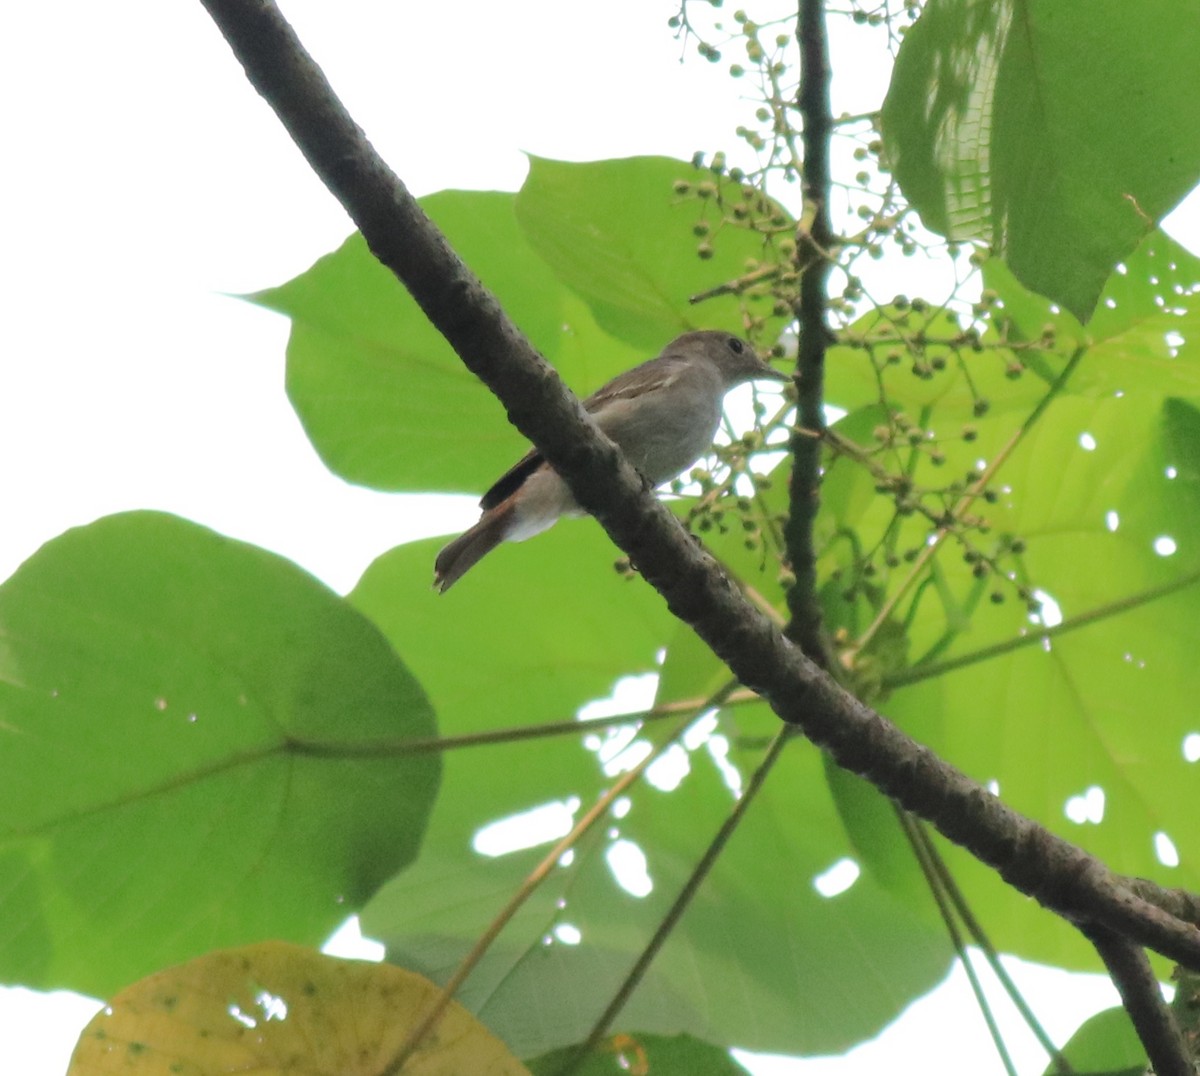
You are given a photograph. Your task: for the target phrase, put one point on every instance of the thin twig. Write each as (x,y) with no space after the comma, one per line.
(512,734)
(959,903)
(680,904)
(527,888)
(736,287)
(925,854)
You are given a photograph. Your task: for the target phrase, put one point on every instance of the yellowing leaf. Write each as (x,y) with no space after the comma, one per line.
(276,1008)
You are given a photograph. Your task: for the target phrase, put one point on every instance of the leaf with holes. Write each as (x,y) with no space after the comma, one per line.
(275,1007)
(1083,731)
(1145,334)
(1004,123)
(757,944)
(759,940)
(191,728)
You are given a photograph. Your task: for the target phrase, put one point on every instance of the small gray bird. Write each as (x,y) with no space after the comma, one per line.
(663,415)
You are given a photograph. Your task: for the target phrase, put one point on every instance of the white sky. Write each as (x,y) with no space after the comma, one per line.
(145,181)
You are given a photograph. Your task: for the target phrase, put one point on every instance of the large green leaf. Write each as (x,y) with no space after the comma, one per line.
(382,396)
(1096,489)
(1059,131)
(760,959)
(759,947)
(1105,473)
(1143,336)
(531,634)
(385,401)
(616,232)
(190,729)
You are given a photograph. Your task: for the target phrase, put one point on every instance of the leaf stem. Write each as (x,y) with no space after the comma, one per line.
(681,902)
(927,852)
(927,672)
(935,880)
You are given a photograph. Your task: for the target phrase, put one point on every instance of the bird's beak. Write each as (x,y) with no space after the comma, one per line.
(769,372)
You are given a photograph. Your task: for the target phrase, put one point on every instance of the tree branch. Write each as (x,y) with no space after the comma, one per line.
(1029,857)
(1180,903)
(814,238)
(1135,982)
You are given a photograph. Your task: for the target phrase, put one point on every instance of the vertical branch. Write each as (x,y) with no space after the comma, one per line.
(814,238)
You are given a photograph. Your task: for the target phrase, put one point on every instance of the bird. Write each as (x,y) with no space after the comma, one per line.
(662,414)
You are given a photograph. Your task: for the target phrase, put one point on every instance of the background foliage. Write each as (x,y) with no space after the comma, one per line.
(241,754)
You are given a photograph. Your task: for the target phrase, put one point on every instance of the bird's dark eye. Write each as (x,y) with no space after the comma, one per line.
(735,345)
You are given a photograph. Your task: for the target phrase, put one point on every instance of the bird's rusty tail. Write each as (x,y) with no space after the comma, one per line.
(457,558)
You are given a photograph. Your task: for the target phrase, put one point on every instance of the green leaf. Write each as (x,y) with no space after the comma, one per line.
(383,398)
(663,1055)
(1009,123)
(1145,332)
(190,728)
(536,630)
(505,649)
(617,233)
(757,945)
(385,401)
(1104,1045)
(1106,707)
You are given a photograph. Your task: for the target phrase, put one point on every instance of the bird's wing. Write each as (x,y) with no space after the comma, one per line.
(512,479)
(648,377)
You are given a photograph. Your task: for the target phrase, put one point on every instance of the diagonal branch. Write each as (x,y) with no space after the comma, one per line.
(1135,982)
(1029,857)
